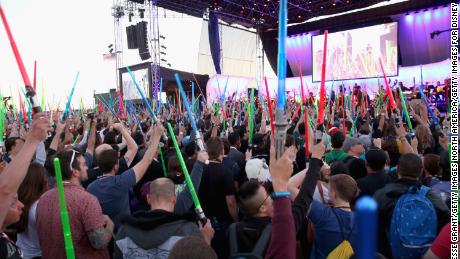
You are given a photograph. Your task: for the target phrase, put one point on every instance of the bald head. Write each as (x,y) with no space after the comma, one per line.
(162,194)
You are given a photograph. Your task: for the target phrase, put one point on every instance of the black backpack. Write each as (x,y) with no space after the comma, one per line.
(259,249)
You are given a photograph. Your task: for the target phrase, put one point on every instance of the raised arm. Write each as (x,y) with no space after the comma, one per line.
(92,137)
(132,146)
(141,167)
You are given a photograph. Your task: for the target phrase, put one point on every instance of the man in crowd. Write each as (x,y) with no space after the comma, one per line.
(91,230)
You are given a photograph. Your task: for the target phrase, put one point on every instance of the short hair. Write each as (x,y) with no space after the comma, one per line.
(110,137)
(190,148)
(162,188)
(10,143)
(376,159)
(192,247)
(246,197)
(226,146)
(337,139)
(301,128)
(339,167)
(345,186)
(215,147)
(233,138)
(107,160)
(65,157)
(410,165)
(174,164)
(138,138)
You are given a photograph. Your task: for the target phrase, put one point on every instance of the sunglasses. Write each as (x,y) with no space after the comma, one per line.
(73,158)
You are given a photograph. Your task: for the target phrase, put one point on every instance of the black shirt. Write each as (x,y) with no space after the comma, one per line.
(372,182)
(216,184)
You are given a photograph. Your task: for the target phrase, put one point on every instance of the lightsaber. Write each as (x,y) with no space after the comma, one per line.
(403,104)
(188,180)
(322,90)
(149,108)
(65,222)
(366,218)
(35,76)
(280,120)
(389,91)
(25,77)
(191,117)
(270,109)
(67,107)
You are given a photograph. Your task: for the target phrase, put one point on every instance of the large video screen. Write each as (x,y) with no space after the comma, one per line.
(355,53)
(129,89)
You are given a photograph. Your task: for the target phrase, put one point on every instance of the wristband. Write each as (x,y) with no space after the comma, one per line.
(276,195)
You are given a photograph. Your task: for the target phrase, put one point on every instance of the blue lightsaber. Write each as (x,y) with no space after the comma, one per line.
(191,117)
(280,120)
(66,111)
(366,218)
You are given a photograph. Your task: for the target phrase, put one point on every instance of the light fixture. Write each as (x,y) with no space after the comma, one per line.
(163,53)
(162,37)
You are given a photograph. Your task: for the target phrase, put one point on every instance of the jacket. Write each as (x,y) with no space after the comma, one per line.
(388,196)
(152,234)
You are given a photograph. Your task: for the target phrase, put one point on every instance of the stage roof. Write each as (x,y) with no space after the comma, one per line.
(264,13)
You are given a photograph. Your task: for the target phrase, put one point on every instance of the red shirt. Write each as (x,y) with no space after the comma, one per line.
(441,245)
(85,215)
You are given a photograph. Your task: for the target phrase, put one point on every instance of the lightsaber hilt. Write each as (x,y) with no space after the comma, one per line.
(201,217)
(33,98)
(281,131)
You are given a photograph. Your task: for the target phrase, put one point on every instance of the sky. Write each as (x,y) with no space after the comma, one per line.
(68,36)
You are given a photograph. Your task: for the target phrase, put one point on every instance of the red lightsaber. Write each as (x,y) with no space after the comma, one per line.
(25,77)
(389,91)
(322,91)
(269,101)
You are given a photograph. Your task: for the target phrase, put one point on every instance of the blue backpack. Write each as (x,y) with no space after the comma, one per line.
(413,224)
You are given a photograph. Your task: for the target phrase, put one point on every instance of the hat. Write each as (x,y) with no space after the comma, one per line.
(257,169)
(332,131)
(349,143)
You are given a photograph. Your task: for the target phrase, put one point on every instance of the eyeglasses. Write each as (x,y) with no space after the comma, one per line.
(73,158)
(262,203)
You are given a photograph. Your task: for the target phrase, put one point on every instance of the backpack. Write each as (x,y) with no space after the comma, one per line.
(259,249)
(413,225)
(344,250)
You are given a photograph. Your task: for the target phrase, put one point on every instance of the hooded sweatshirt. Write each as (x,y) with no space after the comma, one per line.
(152,234)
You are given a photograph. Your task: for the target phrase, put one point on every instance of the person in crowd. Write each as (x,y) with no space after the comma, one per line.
(234,154)
(154,233)
(12,147)
(33,186)
(112,190)
(11,179)
(409,170)
(354,149)
(376,177)
(336,153)
(441,247)
(217,194)
(230,164)
(91,230)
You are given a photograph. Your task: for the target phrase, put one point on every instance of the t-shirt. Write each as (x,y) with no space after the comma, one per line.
(233,167)
(441,245)
(336,155)
(327,234)
(113,194)
(216,183)
(28,240)
(8,250)
(85,215)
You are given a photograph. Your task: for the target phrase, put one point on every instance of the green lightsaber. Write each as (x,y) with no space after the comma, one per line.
(69,250)
(162,161)
(251,117)
(188,180)
(403,103)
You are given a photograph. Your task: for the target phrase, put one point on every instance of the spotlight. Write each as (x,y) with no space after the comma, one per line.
(163,53)
(164,60)
(162,37)
(163,46)
(130,16)
(111,45)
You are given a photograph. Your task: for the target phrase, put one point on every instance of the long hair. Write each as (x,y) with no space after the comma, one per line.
(424,137)
(33,186)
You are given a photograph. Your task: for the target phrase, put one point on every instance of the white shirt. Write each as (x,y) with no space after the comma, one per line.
(28,240)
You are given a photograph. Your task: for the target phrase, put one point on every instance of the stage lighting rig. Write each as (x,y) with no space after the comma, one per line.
(141,12)
(118,11)
(436,33)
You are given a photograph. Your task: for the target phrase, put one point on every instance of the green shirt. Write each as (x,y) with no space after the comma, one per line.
(338,155)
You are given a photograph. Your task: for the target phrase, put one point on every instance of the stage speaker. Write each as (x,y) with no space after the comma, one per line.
(142,40)
(131,36)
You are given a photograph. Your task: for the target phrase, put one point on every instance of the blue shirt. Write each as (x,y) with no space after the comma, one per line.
(113,194)
(327,234)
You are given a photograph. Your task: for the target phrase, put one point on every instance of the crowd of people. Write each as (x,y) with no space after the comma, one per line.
(127,196)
